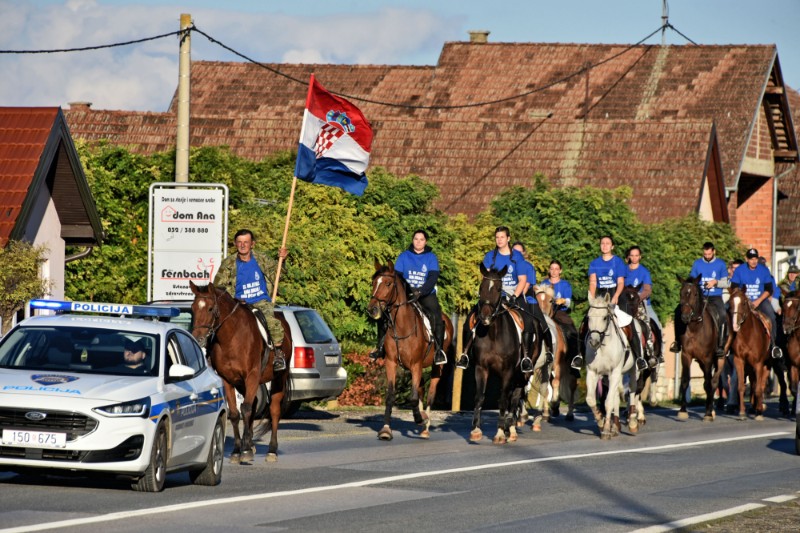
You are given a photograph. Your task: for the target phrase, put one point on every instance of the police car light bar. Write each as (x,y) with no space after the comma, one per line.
(111,309)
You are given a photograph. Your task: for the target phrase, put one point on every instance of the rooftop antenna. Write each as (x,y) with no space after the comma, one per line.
(664,21)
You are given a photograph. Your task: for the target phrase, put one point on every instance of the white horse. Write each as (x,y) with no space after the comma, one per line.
(606,345)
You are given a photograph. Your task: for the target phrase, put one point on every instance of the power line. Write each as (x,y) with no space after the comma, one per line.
(97,47)
(409,106)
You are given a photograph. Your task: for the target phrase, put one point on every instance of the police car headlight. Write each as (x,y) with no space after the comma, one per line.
(140,408)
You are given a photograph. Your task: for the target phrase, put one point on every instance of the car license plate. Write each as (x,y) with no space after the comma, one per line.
(331,360)
(34,439)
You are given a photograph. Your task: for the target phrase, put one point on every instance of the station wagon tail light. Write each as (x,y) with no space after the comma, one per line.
(304,358)
(136,408)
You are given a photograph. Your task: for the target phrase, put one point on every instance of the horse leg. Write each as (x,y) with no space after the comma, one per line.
(233,416)
(572,386)
(794,374)
(591,396)
(504,407)
(275,404)
(739,364)
(416,397)
(610,428)
(780,373)
(686,364)
(435,377)
(481,375)
(511,415)
(709,387)
(762,374)
(391,374)
(251,388)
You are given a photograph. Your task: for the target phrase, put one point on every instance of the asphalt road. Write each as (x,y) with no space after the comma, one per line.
(334,475)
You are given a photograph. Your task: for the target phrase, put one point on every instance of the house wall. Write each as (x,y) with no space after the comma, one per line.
(44,228)
(754,209)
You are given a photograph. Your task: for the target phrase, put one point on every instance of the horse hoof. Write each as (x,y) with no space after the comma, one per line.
(476,435)
(570,417)
(606,435)
(236,459)
(708,418)
(683,415)
(537,428)
(425,434)
(520,423)
(633,429)
(247,457)
(759,418)
(499,440)
(741,417)
(272,457)
(512,437)
(385,433)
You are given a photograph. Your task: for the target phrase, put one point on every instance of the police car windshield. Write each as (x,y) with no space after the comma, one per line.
(80,349)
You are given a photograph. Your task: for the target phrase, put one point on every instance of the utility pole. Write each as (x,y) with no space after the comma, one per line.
(184,85)
(664,21)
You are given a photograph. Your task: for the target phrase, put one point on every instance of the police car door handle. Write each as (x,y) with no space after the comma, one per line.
(193,396)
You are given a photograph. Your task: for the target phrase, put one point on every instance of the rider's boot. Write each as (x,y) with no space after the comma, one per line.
(463,359)
(548,345)
(675,347)
(636,345)
(439,357)
(378,353)
(526,365)
(279,362)
(720,350)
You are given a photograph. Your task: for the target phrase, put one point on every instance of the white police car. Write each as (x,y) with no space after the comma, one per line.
(71,399)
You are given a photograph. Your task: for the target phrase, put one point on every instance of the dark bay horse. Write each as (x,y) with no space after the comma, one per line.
(407,344)
(497,348)
(630,301)
(750,350)
(229,331)
(790,309)
(699,343)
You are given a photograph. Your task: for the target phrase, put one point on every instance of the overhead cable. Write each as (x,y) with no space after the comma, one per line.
(97,47)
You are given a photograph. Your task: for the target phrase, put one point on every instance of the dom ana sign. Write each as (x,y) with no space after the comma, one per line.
(188,228)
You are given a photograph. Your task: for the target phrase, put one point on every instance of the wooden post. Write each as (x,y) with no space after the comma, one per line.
(458,376)
(184,95)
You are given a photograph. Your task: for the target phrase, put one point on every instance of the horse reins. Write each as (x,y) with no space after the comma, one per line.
(212,328)
(388,304)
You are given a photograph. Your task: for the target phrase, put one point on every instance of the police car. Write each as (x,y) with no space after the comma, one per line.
(121,394)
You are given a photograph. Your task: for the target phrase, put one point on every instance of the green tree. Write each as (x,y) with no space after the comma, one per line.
(20,278)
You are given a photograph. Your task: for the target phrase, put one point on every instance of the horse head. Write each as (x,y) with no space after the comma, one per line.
(490,293)
(629,300)
(207,315)
(790,309)
(545,295)
(598,320)
(386,290)
(740,307)
(691,299)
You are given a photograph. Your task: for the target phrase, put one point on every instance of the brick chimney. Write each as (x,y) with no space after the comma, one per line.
(479,36)
(80,106)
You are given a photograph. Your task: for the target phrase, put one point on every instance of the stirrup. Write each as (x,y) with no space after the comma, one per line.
(652,362)
(526,365)
(674,347)
(279,363)
(776,352)
(577,362)
(439,358)
(641,364)
(376,354)
(463,361)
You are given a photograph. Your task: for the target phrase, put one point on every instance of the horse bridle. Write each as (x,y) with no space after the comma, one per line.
(497,308)
(214,326)
(602,334)
(386,309)
(744,313)
(791,327)
(696,316)
(389,301)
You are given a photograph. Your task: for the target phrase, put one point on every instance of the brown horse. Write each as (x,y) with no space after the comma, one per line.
(790,309)
(229,331)
(564,380)
(750,350)
(407,343)
(700,344)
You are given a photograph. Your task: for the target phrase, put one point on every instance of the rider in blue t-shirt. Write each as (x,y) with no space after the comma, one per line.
(513,285)
(420,268)
(637,275)
(713,273)
(756,280)
(562,290)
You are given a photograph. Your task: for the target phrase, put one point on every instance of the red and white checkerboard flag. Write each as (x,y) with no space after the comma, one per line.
(335,142)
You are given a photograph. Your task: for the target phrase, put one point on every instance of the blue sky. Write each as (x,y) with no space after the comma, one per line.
(144,77)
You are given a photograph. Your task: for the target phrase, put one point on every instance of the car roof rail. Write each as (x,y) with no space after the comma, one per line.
(154,311)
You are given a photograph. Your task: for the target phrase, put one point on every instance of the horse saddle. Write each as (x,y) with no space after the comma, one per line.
(765,321)
(513,312)
(623,318)
(262,328)
(425,320)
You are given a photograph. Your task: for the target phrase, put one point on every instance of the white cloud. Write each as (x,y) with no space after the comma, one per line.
(144,76)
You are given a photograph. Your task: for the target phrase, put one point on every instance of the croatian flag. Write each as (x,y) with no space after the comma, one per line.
(335,142)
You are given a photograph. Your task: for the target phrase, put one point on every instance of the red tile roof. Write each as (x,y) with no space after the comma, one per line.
(650,111)
(788,218)
(23,135)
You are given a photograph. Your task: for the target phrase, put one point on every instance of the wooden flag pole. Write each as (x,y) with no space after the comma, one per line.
(283,243)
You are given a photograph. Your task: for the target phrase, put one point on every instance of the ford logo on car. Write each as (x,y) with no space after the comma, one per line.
(35,416)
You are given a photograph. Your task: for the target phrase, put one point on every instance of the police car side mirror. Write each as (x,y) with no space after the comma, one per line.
(178,372)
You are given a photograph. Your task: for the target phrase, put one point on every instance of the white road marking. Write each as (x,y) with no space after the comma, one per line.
(388,479)
(670,526)
(780,499)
